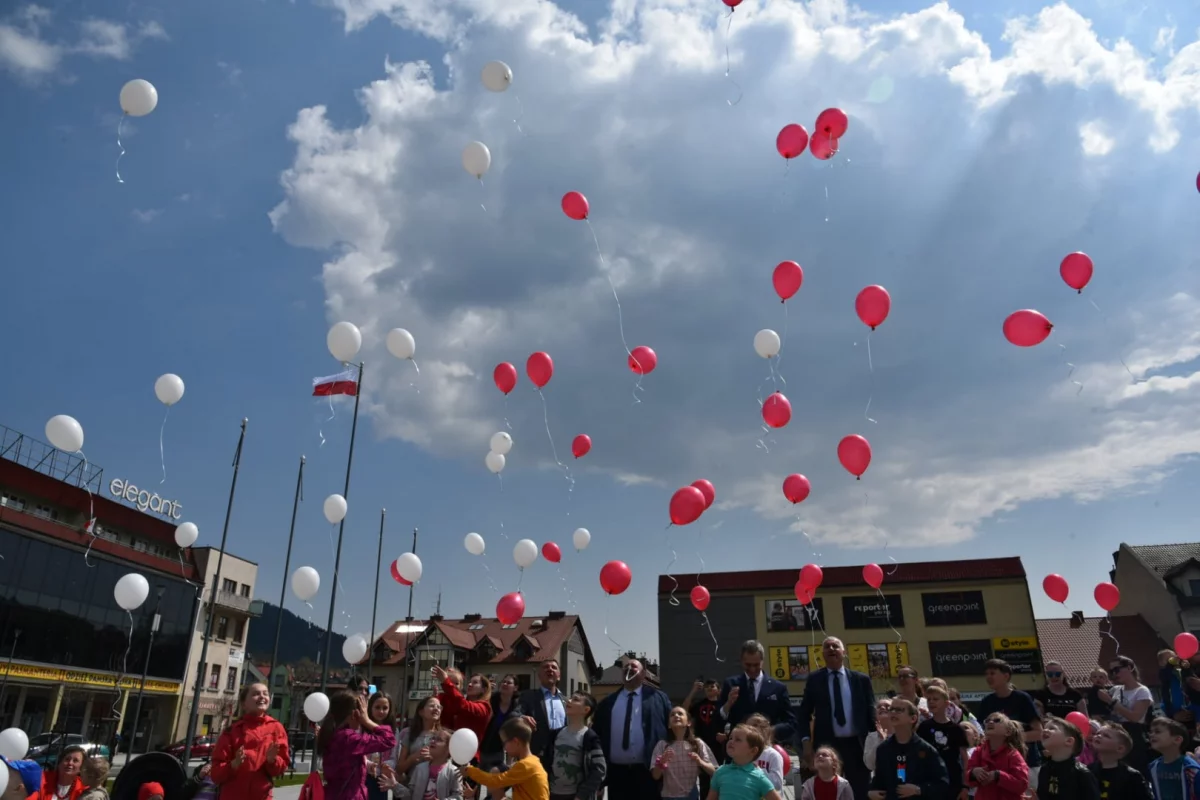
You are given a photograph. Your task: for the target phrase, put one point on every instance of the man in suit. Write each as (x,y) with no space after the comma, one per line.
(630,723)
(843,704)
(753,692)
(543,708)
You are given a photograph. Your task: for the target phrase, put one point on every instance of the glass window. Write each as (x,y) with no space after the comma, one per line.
(279,676)
(214,677)
(222,627)
(231,679)
(1194,587)
(228,585)
(239,631)
(245,590)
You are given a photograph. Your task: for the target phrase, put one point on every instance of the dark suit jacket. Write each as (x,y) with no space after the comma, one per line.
(532,703)
(819,703)
(773,703)
(656,713)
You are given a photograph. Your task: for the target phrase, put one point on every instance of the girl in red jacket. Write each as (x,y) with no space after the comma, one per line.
(473,711)
(251,752)
(997,769)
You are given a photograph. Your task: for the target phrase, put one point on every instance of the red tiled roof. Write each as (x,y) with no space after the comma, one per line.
(1081,646)
(546,638)
(911,572)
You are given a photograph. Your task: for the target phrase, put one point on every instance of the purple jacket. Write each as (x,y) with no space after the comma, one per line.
(345,763)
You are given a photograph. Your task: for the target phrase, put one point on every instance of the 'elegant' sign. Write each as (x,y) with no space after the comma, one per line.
(145,500)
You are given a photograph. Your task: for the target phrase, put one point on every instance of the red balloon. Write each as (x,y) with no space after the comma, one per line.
(510,608)
(505,376)
(833,123)
(872,306)
(540,368)
(822,145)
(643,360)
(787,279)
(708,490)
(854,452)
(776,410)
(615,577)
(811,576)
(787,760)
(575,205)
(397,577)
(732,3)
(873,575)
(795,488)
(792,141)
(551,552)
(581,445)
(700,598)
(1076,270)
(1056,588)
(1198,181)
(687,504)
(1108,596)
(1186,646)
(803,593)
(1081,722)
(1027,328)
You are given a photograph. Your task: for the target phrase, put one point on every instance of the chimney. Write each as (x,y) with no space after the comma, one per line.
(556,614)
(436,618)
(1076,619)
(472,618)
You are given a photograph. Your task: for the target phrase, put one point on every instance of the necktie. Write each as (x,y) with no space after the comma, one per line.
(750,693)
(628,720)
(839,707)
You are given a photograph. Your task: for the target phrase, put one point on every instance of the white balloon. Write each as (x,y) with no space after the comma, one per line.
(168,389)
(767,343)
(131,591)
(354,649)
(497,76)
(186,534)
(474,544)
(476,159)
(401,343)
(495,462)
(464,744)
(582,538)
(316,706)
(306,582)
(501,443)
(14,744)
(409,567)
(138,98)
(4,781)
(525,553)
(65,433)
(335,508)
(344,340)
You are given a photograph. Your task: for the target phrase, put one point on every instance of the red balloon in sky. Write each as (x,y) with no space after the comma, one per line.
(700,597)
(1056,588)
(1076,270)
(822,145)
(505,376)
(811,576)
(551,552)
(510,609)
(539,368)
(1026,328)
(854,452)
(833,123)
(708,490)
(397,577)
(615,577)
(1108,596)
(687,504)
(792,141)
(581,445)
(873,305)
(795,488)
(575,205)
(787,279)
(803,593)
(873,575)
(732,3)
(643,360)
(1198,181)
(776,410)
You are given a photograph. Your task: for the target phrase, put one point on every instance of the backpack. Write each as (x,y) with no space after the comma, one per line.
(313,788)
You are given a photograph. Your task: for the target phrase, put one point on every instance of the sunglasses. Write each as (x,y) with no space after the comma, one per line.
(1054,674)
(1115,670)
(907,677)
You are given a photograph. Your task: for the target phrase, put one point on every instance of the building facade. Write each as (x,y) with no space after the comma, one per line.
(1161,584)
(943,618)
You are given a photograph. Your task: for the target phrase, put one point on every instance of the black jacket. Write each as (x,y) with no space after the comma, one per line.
(532,703)
(818,702)
(1066,780)
(656,711)
(923,768)
(1121,781)
(772,702)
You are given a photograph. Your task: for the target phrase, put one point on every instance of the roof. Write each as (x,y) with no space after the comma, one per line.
(1081,645)
(399,635)
(544,635)
(911,572)
(1162,558)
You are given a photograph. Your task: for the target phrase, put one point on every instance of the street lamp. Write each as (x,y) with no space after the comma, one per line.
(137,712)
(8,668)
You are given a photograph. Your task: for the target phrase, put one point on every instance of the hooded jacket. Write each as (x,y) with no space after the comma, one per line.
(1189,775)
(1012,777)
(254,779)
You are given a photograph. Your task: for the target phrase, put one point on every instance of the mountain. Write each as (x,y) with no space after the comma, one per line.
(298,640)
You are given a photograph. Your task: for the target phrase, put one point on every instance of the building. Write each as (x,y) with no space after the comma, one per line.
(1082,643)
(1161,584)
(613,678)
(406,652)
(946,619)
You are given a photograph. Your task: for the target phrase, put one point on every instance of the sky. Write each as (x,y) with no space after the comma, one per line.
(303,167)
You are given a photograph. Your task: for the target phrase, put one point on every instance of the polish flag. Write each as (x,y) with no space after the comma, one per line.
(342,383)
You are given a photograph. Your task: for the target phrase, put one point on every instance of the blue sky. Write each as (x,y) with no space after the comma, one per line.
(986,142)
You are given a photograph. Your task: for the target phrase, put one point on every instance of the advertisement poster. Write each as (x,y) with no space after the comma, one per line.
(789,615)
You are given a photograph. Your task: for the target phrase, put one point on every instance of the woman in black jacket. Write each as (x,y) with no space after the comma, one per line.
(504,705)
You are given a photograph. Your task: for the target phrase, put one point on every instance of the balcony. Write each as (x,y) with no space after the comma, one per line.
(238,603)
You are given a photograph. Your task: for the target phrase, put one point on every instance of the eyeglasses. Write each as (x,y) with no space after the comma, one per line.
(1116,669)
(1054,674)
(907,677)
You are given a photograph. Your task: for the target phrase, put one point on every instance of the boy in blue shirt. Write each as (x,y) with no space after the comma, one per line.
(741,779)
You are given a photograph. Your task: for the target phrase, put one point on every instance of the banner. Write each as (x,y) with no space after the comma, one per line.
(954,608)
(871,611)
(95,679)
(1023,662)
(798,663)
(779,664)
(897,657)
(856,658)
(789,615)
(876,660)
(963,657)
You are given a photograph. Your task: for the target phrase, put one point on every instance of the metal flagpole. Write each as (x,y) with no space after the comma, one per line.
(337,559)
(407,639)
(287,565)
(375,603)
(155,622)
(212,597)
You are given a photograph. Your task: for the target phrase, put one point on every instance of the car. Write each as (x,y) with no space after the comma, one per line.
(202,747)
(46,747)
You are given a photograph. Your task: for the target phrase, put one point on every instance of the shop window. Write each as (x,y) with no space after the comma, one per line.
(214,678)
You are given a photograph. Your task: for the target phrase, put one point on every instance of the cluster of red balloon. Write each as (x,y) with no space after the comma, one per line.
(793,139)
(688,503)
(810,580)
(1027,328)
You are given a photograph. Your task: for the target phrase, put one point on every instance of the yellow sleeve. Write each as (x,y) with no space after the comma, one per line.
(518,773)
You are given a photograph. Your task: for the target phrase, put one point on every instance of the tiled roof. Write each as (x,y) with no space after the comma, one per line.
(1082,646)
(911,572)
(1163,557)
(546,637)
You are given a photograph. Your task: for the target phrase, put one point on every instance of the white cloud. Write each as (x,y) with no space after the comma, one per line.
(147,215)
(28,54)
(1094,140)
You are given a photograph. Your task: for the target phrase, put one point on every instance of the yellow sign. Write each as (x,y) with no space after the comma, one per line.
(1015,643)
(897,656)
(97,679)
(858,658)
(816,658)
(779,664)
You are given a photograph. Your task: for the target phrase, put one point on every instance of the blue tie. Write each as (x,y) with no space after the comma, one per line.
(839,708)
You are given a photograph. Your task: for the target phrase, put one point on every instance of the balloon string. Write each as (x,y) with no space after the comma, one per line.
(620,314)
(566,586)
(121,147)
(90,526)
(814,615)
(674,557)
(870,380)
(554,450)
(507,424)
(520,579)
(488,571)
(607,611)
(699,551)
(1120,358)
(716,644)
(124,663)
(782,342)
(1108,632)
(500,480)
(811,546)
(1070,369)
(887,609)
(161,453)
(483,191)
(520,114)
(332,415)
(728,27)
(416,367)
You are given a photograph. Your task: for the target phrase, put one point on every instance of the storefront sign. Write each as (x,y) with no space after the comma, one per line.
(1015,643)
(789,615)
(1023,662)
(965,657)
(877,660)
(236,657)
(954,608)
(79,678)
(872,611)
(145,500)
(779,664)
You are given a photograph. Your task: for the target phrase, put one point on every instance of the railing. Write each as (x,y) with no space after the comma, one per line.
(48,460)
(233,600)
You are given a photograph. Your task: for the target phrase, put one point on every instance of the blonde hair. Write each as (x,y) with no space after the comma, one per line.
(754,737)
(933,690)
(1014,735)
(94,771)
(837,760)
(763,726)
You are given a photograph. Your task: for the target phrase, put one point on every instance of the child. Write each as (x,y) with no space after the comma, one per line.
(348,735)
(151,791)
(946,736)
(1062,776)
(883,729)
(1175,767)
(1095,706)
(94,774)
(971,731)
(741,779)
(828,782)
(997,769)
(1170,683)
(435,779)
(1087,756)
(526,776)
(574,759)
(1117,780)
(380,770)
(24,778)
(906,765)
(769,761)
(680,759)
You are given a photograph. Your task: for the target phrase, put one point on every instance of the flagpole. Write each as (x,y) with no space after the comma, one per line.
(375,603)
(287,565)
(407,640)
(193,718)
(337,559)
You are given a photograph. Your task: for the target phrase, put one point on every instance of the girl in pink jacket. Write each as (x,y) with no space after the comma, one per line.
(997,769)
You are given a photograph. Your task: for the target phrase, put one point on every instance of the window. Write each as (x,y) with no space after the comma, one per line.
(573,686)
(478,626)
(239,631)
(426,658)
(214,677)
(277,703)
(231,680)
(228,586)
(222,627)
(508,627)
(1194,587)
(279,676)
(245,590)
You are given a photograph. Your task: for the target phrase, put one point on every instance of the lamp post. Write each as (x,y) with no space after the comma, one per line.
(154,624)
(11,653)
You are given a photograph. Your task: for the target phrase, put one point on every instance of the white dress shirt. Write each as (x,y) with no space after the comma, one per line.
(846,730)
